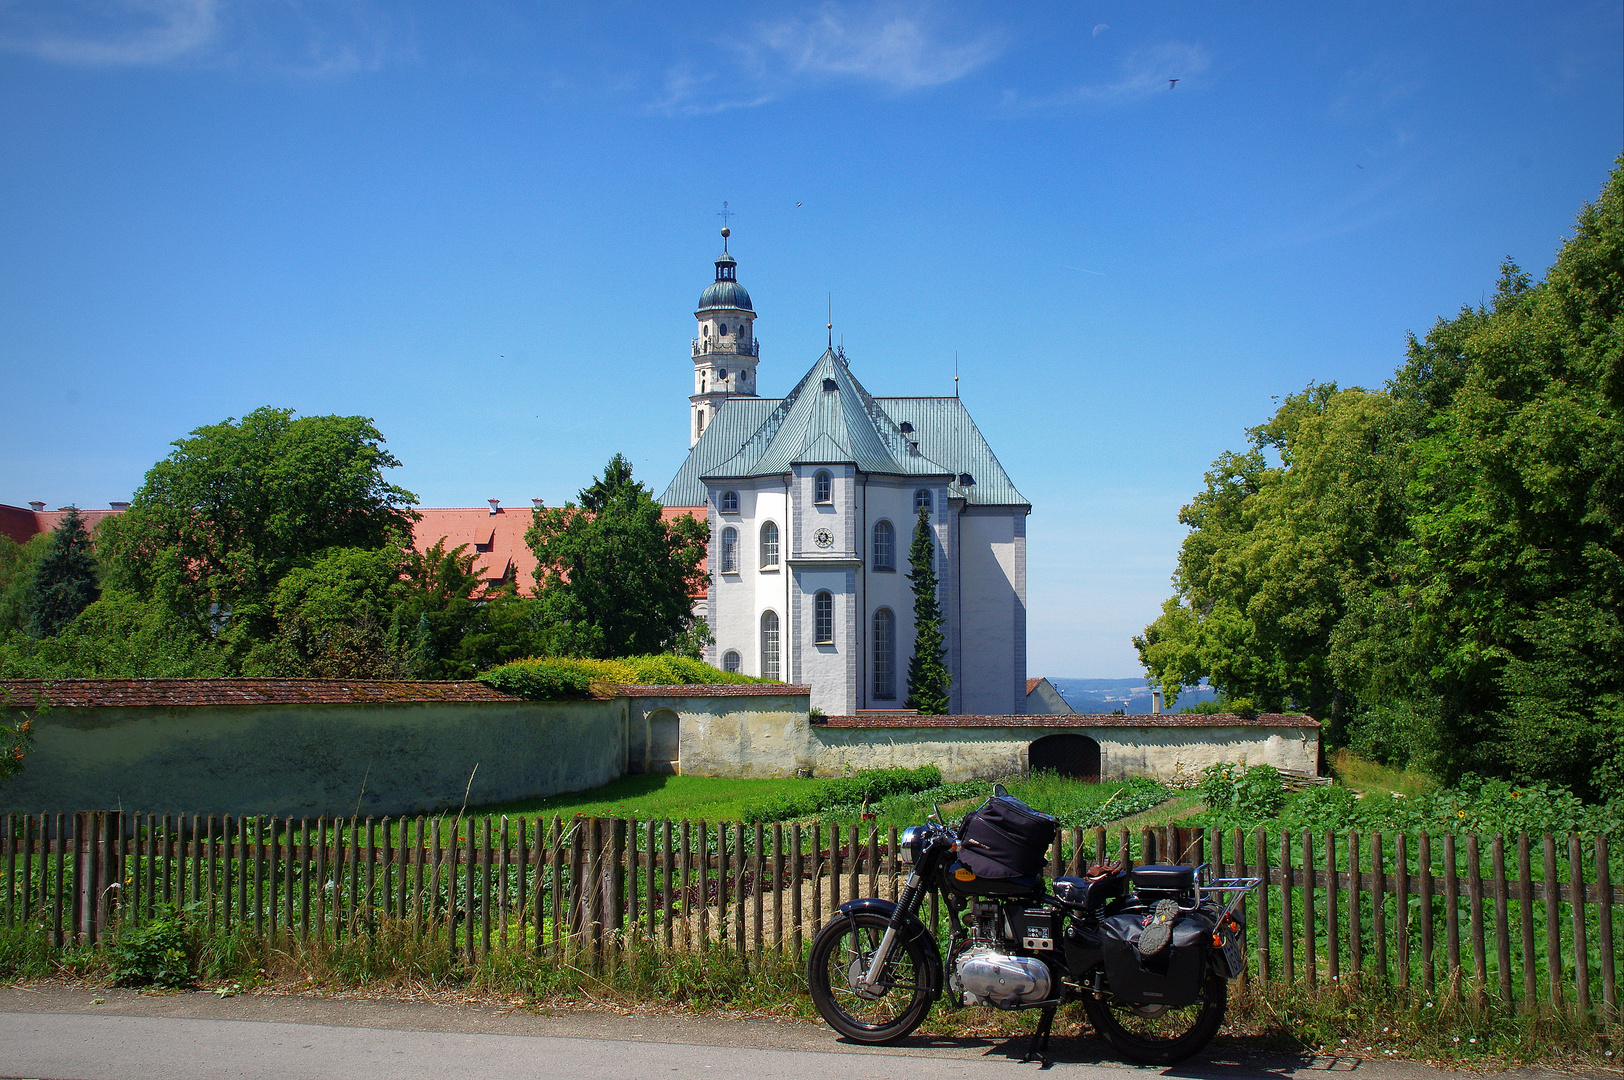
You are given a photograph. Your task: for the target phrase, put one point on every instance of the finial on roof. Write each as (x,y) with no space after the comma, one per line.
(831,326)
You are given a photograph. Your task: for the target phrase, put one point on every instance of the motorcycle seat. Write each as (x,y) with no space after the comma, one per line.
(1090,894)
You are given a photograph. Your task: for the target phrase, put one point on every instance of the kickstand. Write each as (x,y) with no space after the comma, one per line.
(1039,1048)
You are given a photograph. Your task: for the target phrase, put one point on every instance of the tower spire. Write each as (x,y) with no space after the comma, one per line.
(725,350)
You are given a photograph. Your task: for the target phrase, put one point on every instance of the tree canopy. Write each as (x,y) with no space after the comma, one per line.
(1436,569)
(614,578)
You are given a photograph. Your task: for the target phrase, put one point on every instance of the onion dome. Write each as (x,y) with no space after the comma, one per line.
(725,291)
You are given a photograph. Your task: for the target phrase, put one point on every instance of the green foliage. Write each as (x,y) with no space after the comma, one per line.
(1436,570)
(16,736)
(217,524)
(540,680)
(65,578)
(563,678)
(153,953)
(17,563)
(119,636)
(614,578)
(1476,805)
(1240,797)
(928,677)
(870,786)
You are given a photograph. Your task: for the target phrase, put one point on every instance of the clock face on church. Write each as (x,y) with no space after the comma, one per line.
(823,538)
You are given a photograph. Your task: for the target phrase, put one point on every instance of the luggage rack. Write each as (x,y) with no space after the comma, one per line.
(1234,888)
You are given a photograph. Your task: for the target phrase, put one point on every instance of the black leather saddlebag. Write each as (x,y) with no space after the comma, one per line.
(1005,838)
(1172,977)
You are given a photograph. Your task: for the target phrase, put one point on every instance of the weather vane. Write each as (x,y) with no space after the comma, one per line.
(725,214)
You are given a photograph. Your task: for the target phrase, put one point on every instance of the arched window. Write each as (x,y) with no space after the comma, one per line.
(885,654)
(724,329)
(885,546)
(922,500)
(730,661)
(821,484)
(769,545)
(730,550)
(699,420)
(823,618)
(769,644)
(730,502)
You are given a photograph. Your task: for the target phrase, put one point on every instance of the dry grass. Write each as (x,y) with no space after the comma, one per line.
(1361,775)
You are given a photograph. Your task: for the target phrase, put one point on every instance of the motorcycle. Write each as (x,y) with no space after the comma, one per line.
(1149,952)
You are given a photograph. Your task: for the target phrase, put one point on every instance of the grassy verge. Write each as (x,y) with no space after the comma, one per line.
(644,797)
(1376,1022)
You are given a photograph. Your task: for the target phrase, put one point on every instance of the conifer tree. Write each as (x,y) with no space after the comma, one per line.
(65,581)
(928,678)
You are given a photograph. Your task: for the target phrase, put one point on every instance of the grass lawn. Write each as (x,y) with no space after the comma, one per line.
(693,797)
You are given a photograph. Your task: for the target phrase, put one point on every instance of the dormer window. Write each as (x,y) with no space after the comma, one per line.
(906,428)
(830,386)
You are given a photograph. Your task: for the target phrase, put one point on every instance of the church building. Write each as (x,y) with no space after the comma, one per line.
(812,500)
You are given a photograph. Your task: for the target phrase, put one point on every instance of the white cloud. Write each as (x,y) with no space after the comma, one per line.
(110,32)
(901,45)
(898,44)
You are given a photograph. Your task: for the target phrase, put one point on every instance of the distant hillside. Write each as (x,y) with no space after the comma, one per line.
(1129,695)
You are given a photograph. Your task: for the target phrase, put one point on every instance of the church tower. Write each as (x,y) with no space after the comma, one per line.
(725,348)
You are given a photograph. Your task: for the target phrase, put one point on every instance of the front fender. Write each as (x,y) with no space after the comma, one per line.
(911,930)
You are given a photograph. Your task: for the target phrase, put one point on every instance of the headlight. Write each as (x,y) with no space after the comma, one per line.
(911,844)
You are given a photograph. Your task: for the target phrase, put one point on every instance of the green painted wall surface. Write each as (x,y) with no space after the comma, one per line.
(316,759)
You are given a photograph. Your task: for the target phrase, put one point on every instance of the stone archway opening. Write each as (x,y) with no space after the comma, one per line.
(1068,754)
(664,740)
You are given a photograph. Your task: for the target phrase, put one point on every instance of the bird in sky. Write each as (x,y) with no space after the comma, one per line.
(1172,83)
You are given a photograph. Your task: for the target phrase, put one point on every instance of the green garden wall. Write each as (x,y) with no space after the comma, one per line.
(308,759)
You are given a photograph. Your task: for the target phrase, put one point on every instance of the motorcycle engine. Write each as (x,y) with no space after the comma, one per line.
(989,972)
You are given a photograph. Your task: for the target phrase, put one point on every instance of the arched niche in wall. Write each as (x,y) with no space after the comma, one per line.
(664,739)
(1067,754)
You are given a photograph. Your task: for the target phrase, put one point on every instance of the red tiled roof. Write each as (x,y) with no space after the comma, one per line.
(508,556)
(135,693)
(1073,720)
(716,690)
(24,523)
(1032,684)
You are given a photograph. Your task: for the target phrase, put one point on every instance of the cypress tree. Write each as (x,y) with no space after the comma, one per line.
(65,581)
(928,678)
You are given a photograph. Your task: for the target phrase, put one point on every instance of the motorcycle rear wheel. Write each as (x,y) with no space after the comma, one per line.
(901,998)
(1156,1035)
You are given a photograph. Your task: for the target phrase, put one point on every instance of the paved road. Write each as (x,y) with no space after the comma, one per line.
(58,1034)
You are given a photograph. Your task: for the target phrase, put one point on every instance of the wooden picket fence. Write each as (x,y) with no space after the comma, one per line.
(1526,923)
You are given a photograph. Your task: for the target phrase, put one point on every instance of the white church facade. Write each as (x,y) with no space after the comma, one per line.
(812,500)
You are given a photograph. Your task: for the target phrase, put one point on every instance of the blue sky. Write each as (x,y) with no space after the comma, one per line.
(484,225)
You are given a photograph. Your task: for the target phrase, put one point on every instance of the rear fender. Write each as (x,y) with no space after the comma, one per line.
(910,930)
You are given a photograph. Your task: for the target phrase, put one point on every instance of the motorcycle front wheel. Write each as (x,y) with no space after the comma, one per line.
(899,999)
(1157,1034)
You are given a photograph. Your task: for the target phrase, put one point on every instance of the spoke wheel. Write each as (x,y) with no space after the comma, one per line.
(1157,1034)
(893,1006)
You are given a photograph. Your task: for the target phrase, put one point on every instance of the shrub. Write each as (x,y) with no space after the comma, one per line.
(1238,795)
(152,954)
(572,678)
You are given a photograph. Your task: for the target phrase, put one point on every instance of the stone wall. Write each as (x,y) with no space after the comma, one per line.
(312,759)
(968,747)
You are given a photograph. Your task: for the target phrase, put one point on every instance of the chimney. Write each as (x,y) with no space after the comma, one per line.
(496,505)
(119,506)
(37,507)
(535,504)
(1155,702)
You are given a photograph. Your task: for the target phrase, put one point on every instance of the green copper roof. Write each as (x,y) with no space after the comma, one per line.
(725,294)
(830,419)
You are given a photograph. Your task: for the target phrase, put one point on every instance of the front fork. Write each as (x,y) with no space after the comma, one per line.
(906,905)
